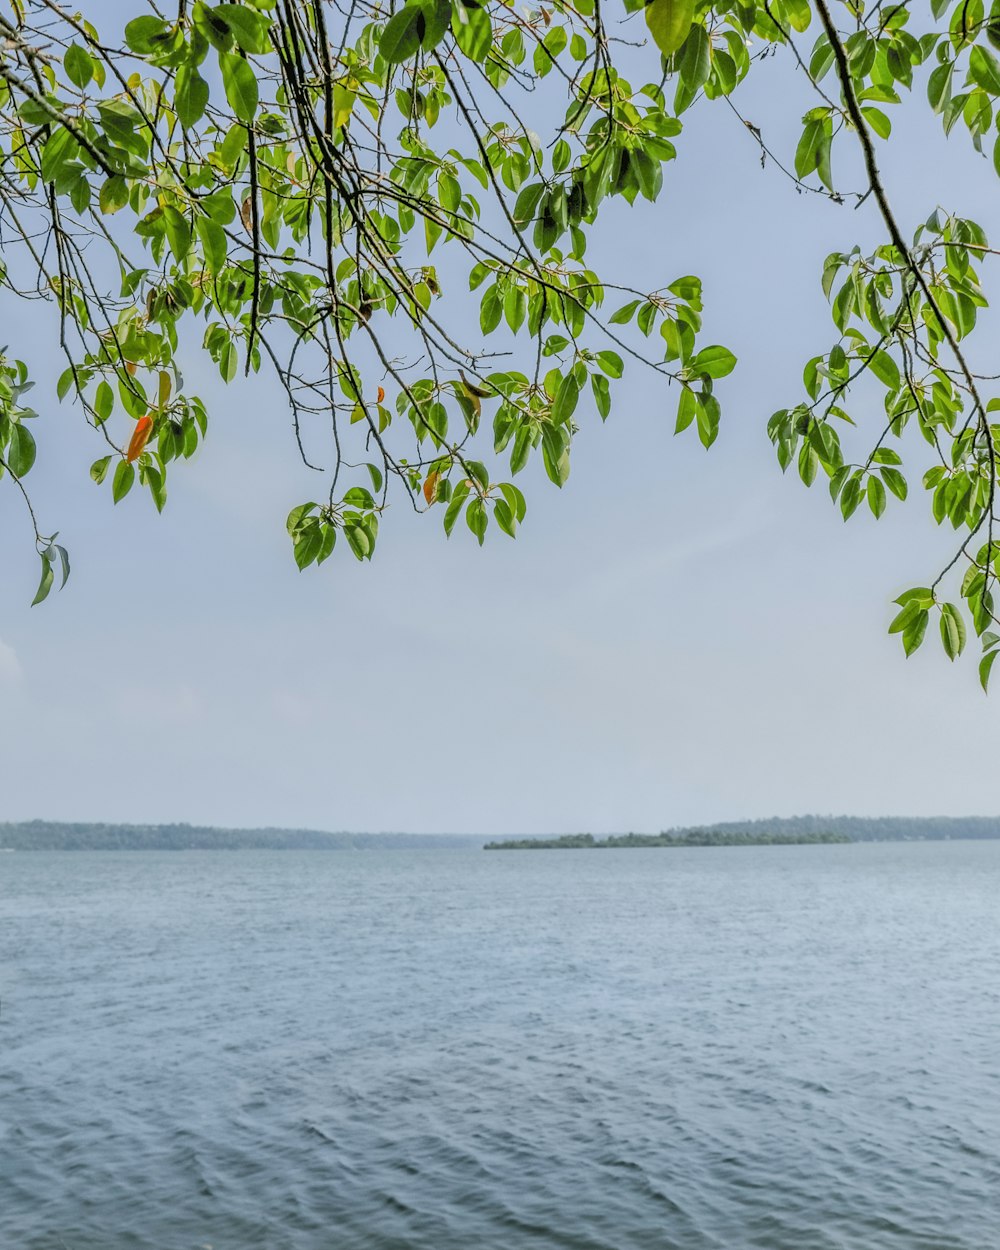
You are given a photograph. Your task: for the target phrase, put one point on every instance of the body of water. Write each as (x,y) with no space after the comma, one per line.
(780,1048)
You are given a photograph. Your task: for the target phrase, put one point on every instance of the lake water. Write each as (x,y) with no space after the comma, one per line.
(780,1048)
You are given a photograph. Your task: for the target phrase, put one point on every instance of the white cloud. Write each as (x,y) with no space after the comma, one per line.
(10,665)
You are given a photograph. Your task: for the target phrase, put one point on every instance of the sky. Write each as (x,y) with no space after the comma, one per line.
(676,637)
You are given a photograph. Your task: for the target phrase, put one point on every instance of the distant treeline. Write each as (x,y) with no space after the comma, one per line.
(859,828)
(782,830)
(587,841)
(44,835)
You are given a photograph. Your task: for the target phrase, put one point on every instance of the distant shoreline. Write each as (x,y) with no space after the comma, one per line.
(42,835)
(587,842)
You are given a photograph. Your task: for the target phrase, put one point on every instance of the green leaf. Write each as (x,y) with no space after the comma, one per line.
(878,122)
(823,149)
(78,65)
(716,361)
(455,507)
(63,557)
(808,463)
(153,479)
(985,665)
(669,22)
(913,635)
(527,203)
(144,35)
(213,242)
(906,615)
(799,14)
(625,313)
(122,482)
(436,21)
(358,540)
(648,173)
(228,361)
(602,394)
(178,231)
(515,307)
(104,401)
(307,543)
(876,496)
(20,451)
(114,194)
(212,28)
(952,631)
(924,595)
(885,369)
(695,60)
(45,585)
(515,500)
(806,156)
(504,517)
(67,380)
(708,420)
(687,409)
(490,311)
(240,83)
(984,70)
(477,519)
(401,35)
(939,86)
(566,399)
(190,96)
(895,481)
(297,515)
(521,450)
(473,31)
(850,496)
(249,28)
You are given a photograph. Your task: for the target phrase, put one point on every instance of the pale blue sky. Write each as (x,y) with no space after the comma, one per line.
(676,637)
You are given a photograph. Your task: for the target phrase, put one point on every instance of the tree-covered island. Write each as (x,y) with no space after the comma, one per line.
(781,831)
(587,841)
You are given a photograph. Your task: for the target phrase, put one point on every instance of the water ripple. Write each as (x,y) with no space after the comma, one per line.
(785,1049)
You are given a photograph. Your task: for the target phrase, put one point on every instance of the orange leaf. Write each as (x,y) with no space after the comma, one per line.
(381,393)
(430,486)
(140,437)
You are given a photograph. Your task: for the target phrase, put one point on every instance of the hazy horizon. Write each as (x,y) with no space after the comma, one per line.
(929,817)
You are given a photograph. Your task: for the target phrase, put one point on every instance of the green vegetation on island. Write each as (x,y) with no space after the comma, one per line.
(781,831)
(43,835)
(857,828)
(587,841)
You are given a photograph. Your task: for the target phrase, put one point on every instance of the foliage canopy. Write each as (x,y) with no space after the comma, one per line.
(283,175)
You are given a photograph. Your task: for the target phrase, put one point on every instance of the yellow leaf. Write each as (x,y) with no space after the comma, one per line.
(343,104)
(669,22)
